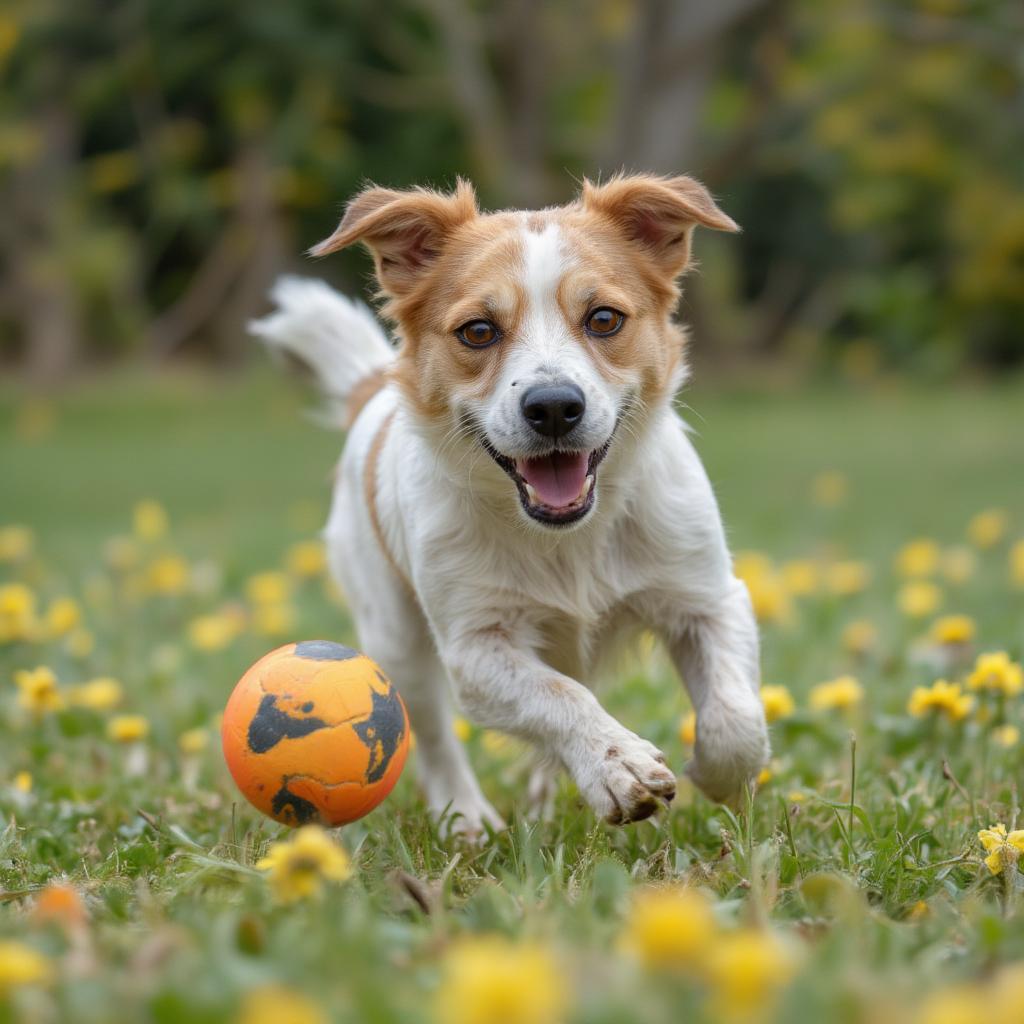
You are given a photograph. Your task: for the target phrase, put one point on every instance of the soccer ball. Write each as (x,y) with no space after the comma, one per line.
(315,732)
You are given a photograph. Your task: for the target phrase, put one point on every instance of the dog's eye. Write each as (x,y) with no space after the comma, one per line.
(604,322)
(477,334)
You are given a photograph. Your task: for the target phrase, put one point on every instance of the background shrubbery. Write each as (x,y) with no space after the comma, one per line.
(161,162)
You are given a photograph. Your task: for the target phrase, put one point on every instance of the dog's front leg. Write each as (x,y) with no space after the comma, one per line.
(503,684)
(716,653)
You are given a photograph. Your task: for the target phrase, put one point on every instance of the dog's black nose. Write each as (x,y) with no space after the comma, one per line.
(555,409)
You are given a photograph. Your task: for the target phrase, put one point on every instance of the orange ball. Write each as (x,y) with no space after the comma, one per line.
(315,732)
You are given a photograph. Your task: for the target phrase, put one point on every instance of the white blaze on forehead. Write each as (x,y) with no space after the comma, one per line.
(544,264)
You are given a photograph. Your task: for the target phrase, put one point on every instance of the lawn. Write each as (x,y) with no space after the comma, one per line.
(852,887)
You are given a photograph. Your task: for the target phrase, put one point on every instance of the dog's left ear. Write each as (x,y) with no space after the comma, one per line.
(658,213)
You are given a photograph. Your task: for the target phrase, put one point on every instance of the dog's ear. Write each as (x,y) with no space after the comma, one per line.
(404,230)
(658,213)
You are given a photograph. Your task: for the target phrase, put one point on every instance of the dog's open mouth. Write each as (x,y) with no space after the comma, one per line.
(557,488)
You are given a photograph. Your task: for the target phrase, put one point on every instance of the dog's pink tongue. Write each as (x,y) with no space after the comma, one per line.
(557,478)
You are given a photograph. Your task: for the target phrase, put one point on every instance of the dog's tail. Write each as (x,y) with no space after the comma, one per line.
(341,341)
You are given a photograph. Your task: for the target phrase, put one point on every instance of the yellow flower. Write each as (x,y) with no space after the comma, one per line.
(987,529)
(1017,564)
(941,697)
(844,579)
(213,632)
(22,965)
(490,980)
(778,702)
(23,782)
(299,865)
(688,728)
(917,559)
(1006,736)
(17,613)
(268,588)
(837,694)
(274,1004)
(149,520)
(193,741)
(959,1004)
(462,729)
(953,629)
(768,594)
(958,564)
(829,489)
(919,598)
(167,575)
(273,619)
(996,673)
(801,577)
(15,543)
(100,694)
(765,776)
(747,969)
(1002,849)
(39,692)
(306,559)
(62,616)
(669,928)
(859,637)
(127,728)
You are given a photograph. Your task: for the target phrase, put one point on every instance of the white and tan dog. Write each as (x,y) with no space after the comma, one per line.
(517,495)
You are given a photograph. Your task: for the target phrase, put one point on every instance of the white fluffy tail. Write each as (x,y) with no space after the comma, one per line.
(340,340)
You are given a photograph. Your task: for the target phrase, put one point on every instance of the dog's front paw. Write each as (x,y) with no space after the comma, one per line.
(629,781)
(732,747)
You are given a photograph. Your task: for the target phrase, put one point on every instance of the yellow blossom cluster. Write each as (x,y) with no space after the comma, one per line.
(941,697)
(299,866)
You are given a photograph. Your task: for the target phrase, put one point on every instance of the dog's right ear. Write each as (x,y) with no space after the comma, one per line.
(405,231)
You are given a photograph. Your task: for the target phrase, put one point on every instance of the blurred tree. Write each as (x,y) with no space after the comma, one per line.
(162,162)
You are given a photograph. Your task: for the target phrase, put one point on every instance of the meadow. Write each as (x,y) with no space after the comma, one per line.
(158,535)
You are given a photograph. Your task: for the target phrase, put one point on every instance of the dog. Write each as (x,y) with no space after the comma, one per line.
(517,496)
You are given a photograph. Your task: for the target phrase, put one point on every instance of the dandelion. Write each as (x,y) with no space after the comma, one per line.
(1017,564)
(38,690)
(768,594)
(1006,736)
(764,777)
(488,980)
(23,782)
(918,559)
(17,613)
(958,564)
(847,578)
(838,694)
(62,616)
(829,489)
(669,928)
(747,969)
(212,632)
(960,1004)
(688,728)
(987,528)
(997,674)
(273,619)
(801,577)
(306,559)
(193,741)
(128,728)
(1003,850)
(941,697)
(462,729)
(102,694)
(778,702)
(268,588)
(149,521)
(299,866)
(275,1004)
(21,965)
(919,598)
(16,543)
(952,630)
(859,637)
(167,575)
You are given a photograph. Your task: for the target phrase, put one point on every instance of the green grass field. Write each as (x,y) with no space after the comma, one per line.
(834,896)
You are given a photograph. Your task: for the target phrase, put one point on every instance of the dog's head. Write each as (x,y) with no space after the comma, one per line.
(533,336)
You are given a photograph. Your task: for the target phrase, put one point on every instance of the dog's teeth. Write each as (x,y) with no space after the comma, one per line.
(532,495)
(588,486)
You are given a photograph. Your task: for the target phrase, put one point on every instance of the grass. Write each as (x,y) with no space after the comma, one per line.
(871,882)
